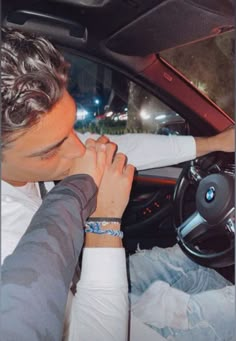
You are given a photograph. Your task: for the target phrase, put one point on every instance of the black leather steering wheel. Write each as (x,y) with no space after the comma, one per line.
(207,236)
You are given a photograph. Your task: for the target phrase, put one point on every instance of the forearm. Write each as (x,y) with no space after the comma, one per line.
(102,292)
(100,307)
(224,141)
(101,303)
(205,145)
(36,277)
(149,150)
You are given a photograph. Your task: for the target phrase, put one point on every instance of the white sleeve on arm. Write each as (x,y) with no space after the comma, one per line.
(100,307)
(148,150)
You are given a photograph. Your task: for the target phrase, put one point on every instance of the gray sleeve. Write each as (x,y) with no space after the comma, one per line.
(37,275)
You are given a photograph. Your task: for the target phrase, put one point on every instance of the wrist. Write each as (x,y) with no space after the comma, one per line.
(95,240)
(106,215)
(103,233)
(205,145)
(214,143)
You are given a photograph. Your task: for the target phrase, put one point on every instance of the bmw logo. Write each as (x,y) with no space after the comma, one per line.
(210,194)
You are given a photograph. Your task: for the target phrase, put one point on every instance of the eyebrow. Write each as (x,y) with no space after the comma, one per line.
(48,149)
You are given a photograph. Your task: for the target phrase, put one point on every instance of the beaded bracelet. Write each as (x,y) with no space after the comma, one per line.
(95,227)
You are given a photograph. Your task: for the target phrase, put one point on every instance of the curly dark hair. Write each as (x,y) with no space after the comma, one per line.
(33,77)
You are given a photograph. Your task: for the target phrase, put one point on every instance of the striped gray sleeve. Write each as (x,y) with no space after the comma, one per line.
(37,275)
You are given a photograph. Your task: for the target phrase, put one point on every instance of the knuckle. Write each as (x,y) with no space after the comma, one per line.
(112,146)
(89,142)
(91,151)
(121,156)
(104,139)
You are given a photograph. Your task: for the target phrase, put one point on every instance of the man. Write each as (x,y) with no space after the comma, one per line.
(34,83)
(38,140)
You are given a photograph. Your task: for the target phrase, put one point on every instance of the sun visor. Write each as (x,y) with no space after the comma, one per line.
(173,23)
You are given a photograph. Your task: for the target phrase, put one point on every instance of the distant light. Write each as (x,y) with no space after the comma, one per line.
(160,117)
(96,101)
(109,113)
(125,109)
(123,117)
(144,115)
(81,114)
(116,118)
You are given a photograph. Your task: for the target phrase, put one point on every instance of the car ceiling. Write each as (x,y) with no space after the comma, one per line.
(128,27)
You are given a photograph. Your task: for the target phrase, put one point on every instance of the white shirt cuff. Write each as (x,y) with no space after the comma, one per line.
(103,268)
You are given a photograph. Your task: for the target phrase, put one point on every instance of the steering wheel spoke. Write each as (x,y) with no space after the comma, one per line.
(195,175)
(192,228)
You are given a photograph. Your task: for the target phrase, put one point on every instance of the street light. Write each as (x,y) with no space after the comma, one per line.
(97,102)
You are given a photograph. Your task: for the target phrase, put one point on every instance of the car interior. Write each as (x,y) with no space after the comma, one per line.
(140,67)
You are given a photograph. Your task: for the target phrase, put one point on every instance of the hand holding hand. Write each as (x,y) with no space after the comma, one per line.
(114,191)
(92,163)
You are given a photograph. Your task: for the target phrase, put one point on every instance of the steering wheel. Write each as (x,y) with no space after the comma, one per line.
(207,235)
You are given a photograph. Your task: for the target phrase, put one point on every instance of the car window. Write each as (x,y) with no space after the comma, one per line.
(109,103)
(209,65)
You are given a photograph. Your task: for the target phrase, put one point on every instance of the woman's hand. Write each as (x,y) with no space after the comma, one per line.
(93,163)
(115,187)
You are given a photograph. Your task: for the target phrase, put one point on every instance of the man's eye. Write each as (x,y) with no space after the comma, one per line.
(49,155)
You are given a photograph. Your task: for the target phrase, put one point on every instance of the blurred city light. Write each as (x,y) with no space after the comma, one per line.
(109,113)
(160,117)
(144,115)
(81,114)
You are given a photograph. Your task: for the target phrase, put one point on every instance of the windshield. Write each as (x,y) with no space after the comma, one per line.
(209,65)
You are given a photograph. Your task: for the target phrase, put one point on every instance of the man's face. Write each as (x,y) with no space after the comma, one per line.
(45,152)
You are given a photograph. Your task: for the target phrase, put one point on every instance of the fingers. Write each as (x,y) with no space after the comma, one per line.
(119,162)
(129,171)
(103,139)
(111,149)
(101,156)
(98,153)
(90,142)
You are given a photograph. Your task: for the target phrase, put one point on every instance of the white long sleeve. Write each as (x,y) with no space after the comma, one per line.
(100,307)
(148,150)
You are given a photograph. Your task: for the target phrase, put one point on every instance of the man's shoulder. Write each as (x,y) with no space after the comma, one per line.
(19,195)
(7,189)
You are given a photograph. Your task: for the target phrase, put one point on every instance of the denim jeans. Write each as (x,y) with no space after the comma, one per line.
(180,299)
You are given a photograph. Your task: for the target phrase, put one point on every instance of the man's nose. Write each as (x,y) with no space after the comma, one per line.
(74,147)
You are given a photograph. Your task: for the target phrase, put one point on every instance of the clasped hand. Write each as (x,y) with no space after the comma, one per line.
(111,174)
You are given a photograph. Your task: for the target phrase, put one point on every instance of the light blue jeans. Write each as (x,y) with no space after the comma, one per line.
(207,311)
